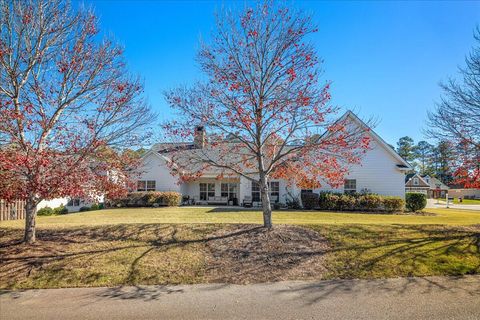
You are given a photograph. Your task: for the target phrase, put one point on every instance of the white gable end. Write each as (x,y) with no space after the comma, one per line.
(154,168)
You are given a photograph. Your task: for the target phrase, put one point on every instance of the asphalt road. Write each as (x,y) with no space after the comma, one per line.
(403,298)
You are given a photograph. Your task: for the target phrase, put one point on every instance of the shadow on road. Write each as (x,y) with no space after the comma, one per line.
(312,293)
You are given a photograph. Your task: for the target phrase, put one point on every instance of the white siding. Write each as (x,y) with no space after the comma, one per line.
(54,203)
(378,173)
(155,168)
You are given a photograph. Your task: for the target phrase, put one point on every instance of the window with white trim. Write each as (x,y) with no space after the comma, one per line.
(256,192)
(416,182)
(350,186)
(146,185)
(273,187)
(229,190)
(207,190)
(75,202)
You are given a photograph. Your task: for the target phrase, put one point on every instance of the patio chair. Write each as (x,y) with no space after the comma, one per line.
(247,201)
(196,200)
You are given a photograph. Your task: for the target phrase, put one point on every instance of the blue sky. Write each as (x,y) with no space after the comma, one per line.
(385,58)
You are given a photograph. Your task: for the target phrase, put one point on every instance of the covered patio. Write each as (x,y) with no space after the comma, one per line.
(228,191)
(211,191)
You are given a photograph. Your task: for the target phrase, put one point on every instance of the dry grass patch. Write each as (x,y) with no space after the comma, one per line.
(284,253)
(158,254)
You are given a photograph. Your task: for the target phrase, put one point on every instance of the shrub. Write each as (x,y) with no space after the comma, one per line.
(84,209)
(293,203)
(310,200)
(152,197)
(46,211)
(393,204)
(60,210)
(96,206)
(148,199)
(415,201)
(346,202)
(169,199)
(136,199)
(359,202)
(370,202)
(328,200)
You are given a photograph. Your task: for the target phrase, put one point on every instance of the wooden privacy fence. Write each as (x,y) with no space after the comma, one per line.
(12,210)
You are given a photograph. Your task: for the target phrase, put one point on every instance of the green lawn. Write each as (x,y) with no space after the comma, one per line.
(198,245)
(376,251)
(219,215)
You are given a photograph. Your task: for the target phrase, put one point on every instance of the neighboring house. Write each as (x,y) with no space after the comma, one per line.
(464,193)
(428,185)
(72,204)
(381,171)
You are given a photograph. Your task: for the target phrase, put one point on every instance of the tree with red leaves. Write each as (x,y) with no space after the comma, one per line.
(456,119)
(266,112)
(67,106)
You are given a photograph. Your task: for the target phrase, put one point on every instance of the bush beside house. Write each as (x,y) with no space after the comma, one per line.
(352,202)
(310,200)
(415,201)
(148,199)
(47,211)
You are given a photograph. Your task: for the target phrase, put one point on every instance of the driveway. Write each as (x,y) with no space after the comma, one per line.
(432,203)
(401,298)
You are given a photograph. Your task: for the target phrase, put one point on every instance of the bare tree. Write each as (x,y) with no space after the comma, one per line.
(66,101)
(456,117)
(266,112)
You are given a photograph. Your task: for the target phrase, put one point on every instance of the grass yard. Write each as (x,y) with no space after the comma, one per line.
(205,245)
(223,215)
(376,251)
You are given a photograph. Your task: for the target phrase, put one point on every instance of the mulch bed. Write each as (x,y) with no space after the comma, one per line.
(248,254)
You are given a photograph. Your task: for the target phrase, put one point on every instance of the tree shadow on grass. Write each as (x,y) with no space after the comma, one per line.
(56,250)
(419,246)
(242,254)
(232,209)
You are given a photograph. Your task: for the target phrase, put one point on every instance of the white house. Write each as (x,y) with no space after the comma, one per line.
(72,204)
(381,171)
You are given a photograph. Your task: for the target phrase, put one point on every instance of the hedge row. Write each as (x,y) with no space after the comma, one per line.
(352,202)
(47,211)
(148,199)
(93,207)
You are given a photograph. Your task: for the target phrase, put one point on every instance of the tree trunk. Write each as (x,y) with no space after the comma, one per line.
(30,215)
(267,208)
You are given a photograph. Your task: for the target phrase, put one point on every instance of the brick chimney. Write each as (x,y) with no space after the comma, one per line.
(199,137)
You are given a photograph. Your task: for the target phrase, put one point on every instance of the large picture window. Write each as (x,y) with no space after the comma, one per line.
(229,190)
(274,188)
(74,202)
(255,192)
(207,190)
(146,185)
(350,186)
